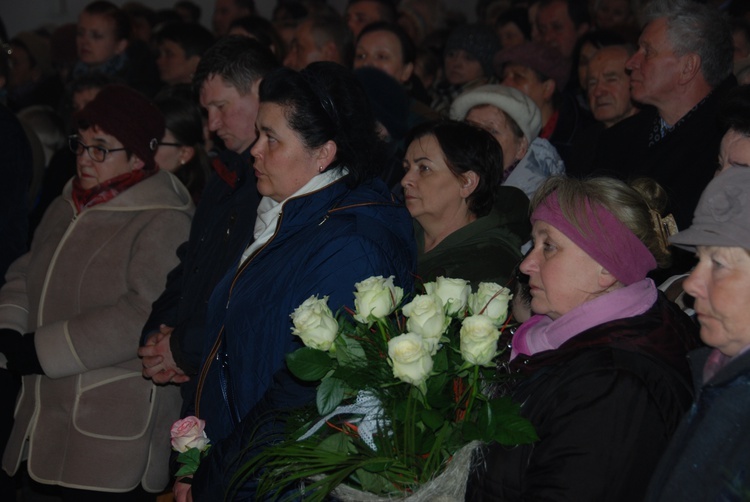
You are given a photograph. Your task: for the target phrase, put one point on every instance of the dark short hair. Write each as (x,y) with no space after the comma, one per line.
(239,61)
(467,148)
(194,39)
(325,102)
(263,31)
(408,51)
(331,28)
(119,16)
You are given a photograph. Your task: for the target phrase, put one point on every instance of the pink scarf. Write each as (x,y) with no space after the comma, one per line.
(540,333)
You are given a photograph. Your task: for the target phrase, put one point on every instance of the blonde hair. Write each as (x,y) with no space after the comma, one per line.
(635,206)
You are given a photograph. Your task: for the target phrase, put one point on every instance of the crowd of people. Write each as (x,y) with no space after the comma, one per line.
(172,193)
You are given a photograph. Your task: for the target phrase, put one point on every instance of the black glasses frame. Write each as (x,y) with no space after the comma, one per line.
(77,147)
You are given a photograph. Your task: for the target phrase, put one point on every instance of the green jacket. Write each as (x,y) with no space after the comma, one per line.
(486,250)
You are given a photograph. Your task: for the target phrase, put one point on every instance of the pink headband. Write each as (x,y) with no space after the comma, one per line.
(613,245)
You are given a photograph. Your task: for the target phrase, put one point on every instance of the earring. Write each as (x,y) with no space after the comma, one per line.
(182,162)
(320,169)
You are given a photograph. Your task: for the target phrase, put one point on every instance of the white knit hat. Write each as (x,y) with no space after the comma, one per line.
(513,102)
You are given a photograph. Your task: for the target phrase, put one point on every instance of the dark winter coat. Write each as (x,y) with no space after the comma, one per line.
(709,456)
(604,405)
(682,162)
(221,229)
(324,243)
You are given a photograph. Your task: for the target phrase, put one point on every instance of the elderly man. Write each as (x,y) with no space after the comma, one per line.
(228,77)
(609,85)
(683,68)
(609,102)
(323,37)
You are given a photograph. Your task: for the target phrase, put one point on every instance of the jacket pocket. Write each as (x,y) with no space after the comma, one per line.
(118,405)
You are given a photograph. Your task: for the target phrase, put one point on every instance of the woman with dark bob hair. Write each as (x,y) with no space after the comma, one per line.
(324,223)
(466,226)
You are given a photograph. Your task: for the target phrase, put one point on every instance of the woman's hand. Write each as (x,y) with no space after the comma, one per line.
(158,363)
(182,491)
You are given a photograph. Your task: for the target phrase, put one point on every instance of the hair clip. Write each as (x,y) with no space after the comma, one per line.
(665,228)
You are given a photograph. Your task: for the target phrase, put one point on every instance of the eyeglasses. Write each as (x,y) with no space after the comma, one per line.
(96,153)
(164,143)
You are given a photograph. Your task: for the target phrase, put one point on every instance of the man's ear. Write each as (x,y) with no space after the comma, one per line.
(691,66)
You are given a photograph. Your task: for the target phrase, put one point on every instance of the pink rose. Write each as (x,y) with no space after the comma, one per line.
(188,433)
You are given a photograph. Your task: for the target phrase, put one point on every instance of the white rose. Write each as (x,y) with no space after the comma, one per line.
(410,357)
(314,323)
(479,338)
(376,297)
(491,300)
(425,317)
(453,292)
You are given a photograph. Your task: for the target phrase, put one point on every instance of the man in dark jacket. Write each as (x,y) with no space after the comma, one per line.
(682,68)
(227,77)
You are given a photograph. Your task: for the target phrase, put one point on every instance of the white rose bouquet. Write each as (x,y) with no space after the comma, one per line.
(402,388)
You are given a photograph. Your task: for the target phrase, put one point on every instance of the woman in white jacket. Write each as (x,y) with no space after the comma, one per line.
(73,307)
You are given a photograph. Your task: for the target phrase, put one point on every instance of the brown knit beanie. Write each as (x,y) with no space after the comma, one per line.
(128,116)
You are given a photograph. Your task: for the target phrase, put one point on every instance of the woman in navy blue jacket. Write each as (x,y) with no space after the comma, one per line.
(324,223)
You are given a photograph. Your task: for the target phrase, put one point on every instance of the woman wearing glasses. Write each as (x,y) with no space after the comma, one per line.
(181,150)
(73,307)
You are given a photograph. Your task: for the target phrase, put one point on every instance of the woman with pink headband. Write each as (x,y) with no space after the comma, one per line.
(601,363)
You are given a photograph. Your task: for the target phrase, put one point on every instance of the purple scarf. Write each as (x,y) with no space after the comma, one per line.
(540,333)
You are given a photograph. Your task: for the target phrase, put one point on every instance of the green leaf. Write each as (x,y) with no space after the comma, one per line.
(338,443)
(191,455)
(432,419)
(349,350)
(506,425)
(440,361)
(470,432)
(309,364)
(514,430)
(330,394)
(371,482)
(379,464)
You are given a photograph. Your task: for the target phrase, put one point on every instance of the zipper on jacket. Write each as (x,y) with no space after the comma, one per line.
(214,354)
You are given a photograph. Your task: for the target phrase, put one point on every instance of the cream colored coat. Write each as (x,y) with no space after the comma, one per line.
(85,288)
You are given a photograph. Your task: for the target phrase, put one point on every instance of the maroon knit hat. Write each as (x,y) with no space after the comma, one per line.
(539,57)
(128,116)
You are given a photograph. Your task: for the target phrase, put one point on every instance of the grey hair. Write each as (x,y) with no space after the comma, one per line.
(698,29)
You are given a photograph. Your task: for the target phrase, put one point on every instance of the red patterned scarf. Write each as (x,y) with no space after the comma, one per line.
(108,190)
